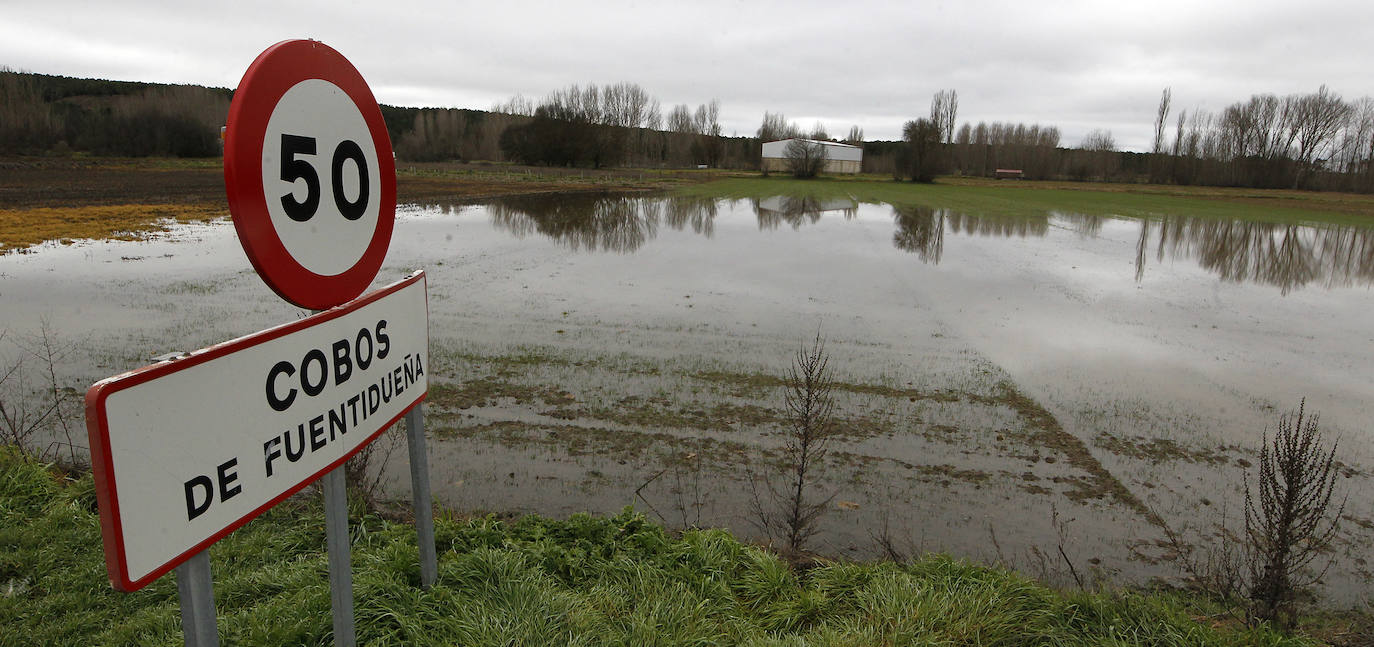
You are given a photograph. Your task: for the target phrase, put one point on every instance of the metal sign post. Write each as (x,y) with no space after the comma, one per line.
(195,591)
(419,488)
(340,564)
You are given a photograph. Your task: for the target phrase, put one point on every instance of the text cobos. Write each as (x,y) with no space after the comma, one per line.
(344,355)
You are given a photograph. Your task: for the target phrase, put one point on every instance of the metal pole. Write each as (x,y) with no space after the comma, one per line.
(196,594)
(340,567)
(335,487)
(419,488)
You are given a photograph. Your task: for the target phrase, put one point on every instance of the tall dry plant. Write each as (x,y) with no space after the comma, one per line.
(810,402)
(1288,520)
(792,508)
(34,405)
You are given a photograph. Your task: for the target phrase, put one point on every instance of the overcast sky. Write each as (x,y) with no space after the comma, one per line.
(1077,65)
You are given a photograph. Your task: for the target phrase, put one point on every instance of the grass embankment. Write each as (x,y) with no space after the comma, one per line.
(1022,199)
(619,580)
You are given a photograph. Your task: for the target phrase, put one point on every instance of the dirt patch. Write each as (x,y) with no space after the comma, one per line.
(1162,450)
(1045,431)
(756,384)
(655,412)
(490,390)
(576,440)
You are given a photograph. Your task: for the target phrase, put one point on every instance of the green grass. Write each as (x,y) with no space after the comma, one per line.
(1031,199)
(583,581)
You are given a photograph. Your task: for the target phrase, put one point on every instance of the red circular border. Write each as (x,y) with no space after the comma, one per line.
(276,70)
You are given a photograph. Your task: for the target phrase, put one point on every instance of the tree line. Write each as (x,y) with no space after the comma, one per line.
(618,124)
(1313,141)
(1299,141)
(54,114)
(1306,141)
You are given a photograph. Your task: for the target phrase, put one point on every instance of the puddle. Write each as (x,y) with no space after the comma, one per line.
(1006,384)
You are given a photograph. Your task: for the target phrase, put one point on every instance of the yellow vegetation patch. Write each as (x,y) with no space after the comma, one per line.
(20,228)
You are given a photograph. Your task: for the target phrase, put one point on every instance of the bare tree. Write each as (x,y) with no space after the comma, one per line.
(805,159)
(653,116)
(1099,140)
(922,150)
(855,136)
(818,132)
(1288,521)
(1314,120)
(680,119)
(517,105)
(1162,118)
(944,107)
(1100,147)
(775,127)
(707,118)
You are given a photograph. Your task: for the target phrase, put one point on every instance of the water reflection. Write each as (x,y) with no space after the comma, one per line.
(608,223)
(797,211)
(921,230)
(697,212)
(1286,256)
(623,223)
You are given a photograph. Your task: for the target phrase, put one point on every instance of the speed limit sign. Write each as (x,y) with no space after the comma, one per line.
(309,173)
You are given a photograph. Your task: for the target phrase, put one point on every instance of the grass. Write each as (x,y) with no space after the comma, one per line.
(1037,199)
(25,227)
(534,581)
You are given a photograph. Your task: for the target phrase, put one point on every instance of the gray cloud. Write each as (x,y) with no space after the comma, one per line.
(1078,65)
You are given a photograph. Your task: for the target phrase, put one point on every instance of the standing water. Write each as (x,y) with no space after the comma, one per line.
(1006,387)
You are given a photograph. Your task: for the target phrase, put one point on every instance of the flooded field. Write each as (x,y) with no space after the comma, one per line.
(1007,388)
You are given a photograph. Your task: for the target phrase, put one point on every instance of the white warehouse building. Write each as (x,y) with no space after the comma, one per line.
(839,158)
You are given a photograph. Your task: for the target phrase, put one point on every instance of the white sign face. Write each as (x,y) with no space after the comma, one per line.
(320,177)
(309,174)
(188,450)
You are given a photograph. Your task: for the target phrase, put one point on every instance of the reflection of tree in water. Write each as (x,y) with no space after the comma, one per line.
(921,230)
(609,223)
(1284,255)
(698,212)
(446,207)
(799,210)
(601,222)
(1085,225)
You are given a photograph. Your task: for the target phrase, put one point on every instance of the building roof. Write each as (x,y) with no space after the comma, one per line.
(833,150)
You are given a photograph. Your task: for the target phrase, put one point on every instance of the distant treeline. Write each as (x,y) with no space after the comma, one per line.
(57,114)
(1301,141)
(1308,141)
(588,126)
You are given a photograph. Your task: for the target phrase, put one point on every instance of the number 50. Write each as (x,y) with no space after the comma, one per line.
(293,168)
